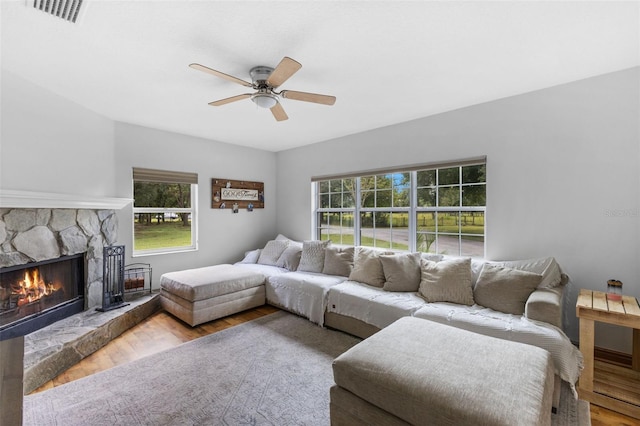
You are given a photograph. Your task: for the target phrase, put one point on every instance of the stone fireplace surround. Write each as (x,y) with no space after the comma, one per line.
(33,235)
(37,226)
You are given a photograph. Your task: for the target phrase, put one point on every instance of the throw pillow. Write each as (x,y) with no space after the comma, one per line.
(401,271)
(367,267)
(272,251)
(545,266)
(505,289)
(447,281)
(338,261)
(251,256)
(312,259)
(290,257)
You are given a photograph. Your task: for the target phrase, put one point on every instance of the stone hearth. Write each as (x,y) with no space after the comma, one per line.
(53,349)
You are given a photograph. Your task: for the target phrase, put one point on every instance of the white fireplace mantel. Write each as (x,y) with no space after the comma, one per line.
(10,198)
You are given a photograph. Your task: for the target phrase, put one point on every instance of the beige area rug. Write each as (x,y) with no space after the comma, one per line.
(275,370)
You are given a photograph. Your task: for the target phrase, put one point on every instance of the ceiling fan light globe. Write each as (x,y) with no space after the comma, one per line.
(264,100)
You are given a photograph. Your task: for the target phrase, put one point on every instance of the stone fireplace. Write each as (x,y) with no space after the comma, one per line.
(35,235)
(37,229)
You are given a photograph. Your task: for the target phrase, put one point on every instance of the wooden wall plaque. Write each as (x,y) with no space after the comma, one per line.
(246,194)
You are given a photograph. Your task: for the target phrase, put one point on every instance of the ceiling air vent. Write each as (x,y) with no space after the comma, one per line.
(68,10)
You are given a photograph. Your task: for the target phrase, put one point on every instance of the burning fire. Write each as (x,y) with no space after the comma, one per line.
(32,287)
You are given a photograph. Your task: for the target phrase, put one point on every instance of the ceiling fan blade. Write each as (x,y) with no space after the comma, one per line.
(308,97)
(231,99)
(220,74)
(285,69)
(278,112)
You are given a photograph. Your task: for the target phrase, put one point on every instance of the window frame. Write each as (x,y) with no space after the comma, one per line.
(166,177)
(413,210)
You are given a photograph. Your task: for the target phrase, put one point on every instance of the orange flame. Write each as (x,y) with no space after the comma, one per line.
(32,287)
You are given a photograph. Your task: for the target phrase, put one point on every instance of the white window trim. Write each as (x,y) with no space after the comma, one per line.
(412,209)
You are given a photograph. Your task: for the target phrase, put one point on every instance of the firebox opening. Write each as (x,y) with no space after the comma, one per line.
(35,295)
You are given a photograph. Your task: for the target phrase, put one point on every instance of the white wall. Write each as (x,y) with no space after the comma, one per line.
(51,144)
(559,161)
(223,236)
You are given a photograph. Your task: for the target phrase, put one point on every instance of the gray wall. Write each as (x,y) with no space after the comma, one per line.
(51,144)
(562,177)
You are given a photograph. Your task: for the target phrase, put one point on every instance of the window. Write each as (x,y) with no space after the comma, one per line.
(164,211)
(431,208)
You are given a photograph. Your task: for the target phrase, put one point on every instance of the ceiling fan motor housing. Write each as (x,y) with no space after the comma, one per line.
(260,74)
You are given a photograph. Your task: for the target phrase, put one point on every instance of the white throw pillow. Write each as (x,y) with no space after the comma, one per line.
(251,256)
(312,259)
(272,251)
(447,281)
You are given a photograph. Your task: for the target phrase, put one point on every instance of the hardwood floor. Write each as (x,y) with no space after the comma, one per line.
(162,331)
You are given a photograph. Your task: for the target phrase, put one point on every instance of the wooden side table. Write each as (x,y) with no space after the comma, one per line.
(616,388)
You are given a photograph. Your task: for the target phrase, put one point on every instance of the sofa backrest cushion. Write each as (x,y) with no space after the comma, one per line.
(401,271)
(447,281)
(367,267)
(312,259)
(338,261)
(505,289)
(272,251)
(545,266)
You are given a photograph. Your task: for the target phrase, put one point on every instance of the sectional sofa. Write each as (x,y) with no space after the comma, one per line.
(361,290)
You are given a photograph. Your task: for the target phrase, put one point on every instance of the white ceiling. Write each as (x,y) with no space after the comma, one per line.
(386,62)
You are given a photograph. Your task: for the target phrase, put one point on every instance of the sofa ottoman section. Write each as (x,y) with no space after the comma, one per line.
(200,295)
(421,372)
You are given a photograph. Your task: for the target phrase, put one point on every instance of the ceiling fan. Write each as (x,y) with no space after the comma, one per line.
(265,80)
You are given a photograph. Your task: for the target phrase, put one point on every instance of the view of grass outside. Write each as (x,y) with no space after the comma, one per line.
(162,216)
(159,234)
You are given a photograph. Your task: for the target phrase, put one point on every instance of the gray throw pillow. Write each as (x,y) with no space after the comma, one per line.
(447,281)
(290,257)
(312,259)
(505,289)
(367,267)
(338,261)
(272,251)
(401,271)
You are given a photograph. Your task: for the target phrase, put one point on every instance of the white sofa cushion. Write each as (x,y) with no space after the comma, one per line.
(371,304)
